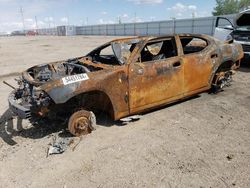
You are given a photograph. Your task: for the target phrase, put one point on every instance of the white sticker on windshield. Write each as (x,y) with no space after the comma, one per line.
(74,78)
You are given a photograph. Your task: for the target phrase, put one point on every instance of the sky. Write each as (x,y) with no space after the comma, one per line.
(49,13)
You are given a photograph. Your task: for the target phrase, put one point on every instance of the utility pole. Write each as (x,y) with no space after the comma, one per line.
(193,16)
(54,21)
(119,20)
(36,24)
(173,18)
(87,20)
(68,19)
(22,17)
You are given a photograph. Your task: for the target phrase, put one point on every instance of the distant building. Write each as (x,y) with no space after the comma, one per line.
(4,34)
(17,33)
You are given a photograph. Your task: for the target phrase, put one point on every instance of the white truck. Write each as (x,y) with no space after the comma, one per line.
(238,30)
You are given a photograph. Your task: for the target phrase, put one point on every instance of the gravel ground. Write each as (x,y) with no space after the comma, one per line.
(200,142)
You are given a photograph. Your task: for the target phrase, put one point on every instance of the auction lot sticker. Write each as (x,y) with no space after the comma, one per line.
(74,78)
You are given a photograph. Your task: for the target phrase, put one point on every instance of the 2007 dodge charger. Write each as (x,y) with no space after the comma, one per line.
(125,77)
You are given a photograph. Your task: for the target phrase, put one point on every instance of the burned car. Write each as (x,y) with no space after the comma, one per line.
(125,77)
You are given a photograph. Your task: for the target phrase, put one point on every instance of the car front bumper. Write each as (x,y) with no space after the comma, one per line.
(22,111)
(245,46)
(247,54)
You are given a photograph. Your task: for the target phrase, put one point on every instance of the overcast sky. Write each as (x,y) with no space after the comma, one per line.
(51,13)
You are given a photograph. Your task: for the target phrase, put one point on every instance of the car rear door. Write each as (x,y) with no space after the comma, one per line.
(197,63)
(155,79)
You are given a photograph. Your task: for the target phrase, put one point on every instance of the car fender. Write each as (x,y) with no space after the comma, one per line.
(112,83)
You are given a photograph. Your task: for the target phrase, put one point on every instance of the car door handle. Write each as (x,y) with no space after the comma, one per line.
(214,56)
(140,71)
(177,64)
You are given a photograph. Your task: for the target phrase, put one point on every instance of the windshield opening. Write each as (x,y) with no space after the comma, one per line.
(123,50)
(114,53)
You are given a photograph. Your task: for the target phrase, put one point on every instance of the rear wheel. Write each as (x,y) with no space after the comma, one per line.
(221,80)
(81,123)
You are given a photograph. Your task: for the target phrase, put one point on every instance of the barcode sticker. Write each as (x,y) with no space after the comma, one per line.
(74,78)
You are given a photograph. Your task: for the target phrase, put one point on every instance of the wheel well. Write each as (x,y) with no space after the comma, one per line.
(95,101)
(225,66)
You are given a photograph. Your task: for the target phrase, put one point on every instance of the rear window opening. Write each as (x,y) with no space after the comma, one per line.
(193,44)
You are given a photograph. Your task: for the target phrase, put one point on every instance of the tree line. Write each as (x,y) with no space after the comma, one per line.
(224,7)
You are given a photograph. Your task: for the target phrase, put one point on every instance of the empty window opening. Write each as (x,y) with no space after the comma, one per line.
(114,53)
(159,50)
(193,44)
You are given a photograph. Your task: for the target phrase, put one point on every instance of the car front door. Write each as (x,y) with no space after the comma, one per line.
(157,76)
(223,29)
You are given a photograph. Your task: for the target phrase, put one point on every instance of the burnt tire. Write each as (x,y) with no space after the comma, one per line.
(81,123)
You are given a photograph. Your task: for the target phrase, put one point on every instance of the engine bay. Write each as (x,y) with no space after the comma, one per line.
(47,72)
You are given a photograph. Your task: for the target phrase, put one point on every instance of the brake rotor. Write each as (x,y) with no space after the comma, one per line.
(81,123)
(222,80)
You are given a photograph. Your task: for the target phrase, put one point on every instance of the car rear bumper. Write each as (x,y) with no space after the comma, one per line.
(17,109)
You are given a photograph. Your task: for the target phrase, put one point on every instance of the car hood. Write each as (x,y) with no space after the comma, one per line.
(46,73)
(242,19)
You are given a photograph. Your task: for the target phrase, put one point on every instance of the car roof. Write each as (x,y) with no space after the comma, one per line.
(147,38)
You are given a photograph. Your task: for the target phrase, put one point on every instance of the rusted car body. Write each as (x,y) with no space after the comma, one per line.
(126,77)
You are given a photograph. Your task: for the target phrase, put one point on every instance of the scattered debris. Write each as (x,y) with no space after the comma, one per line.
(6,83)
(57,148)
(131,118)
(230,157)
(61,144)
(74,147)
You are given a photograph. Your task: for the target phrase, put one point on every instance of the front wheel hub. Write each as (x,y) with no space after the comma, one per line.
(81,123)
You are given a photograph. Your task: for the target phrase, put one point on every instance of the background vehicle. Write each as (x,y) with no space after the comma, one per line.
(239,30)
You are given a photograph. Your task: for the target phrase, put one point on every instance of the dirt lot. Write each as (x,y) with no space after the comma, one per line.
(201,142)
